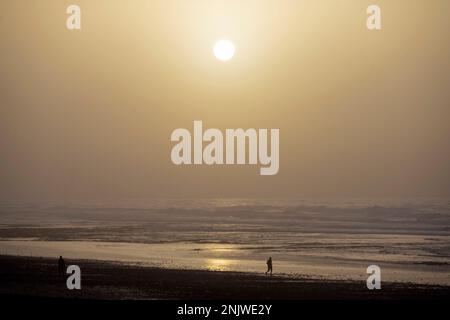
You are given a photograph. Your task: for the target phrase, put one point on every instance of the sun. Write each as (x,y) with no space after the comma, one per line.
(224,50)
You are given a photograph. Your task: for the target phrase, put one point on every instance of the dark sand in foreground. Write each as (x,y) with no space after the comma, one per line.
(24,276)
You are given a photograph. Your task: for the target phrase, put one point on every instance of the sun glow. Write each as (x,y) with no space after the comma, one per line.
(224,50)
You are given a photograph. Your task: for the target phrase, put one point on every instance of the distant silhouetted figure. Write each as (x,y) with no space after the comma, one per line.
(269,266)
(61,265)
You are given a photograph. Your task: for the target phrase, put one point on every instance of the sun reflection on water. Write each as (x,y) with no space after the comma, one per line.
(218,264)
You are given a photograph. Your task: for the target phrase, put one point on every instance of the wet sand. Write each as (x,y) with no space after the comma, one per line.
(38,277)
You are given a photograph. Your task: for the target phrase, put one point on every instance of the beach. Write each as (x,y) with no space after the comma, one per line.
(38,277)
(182,150)
(408,240)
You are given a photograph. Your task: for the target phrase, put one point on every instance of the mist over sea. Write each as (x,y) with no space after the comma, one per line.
(335,239)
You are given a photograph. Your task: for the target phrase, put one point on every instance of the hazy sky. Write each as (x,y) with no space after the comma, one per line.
(88,114)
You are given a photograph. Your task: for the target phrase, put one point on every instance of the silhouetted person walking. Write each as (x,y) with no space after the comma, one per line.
(61,265)
(269,266)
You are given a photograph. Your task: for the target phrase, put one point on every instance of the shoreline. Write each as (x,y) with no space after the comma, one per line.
(230,257)
(111,280)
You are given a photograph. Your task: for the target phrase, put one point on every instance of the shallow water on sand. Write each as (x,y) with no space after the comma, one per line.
(409,240)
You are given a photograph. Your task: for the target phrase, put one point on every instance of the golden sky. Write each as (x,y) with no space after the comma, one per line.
(89,113)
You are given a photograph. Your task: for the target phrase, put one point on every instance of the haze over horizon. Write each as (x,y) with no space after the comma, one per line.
(87,114)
